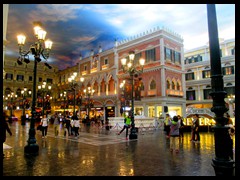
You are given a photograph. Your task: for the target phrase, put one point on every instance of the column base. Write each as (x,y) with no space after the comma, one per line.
(223,168)
(133,134)
(31,149)
(23,120)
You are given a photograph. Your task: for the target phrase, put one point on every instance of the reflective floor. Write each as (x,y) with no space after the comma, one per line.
(101,152)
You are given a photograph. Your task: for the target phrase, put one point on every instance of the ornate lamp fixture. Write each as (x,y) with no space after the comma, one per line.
(42,88)
(64,98)
(73,84)
(38,50)
(88,93)
(133,70)
(12,97)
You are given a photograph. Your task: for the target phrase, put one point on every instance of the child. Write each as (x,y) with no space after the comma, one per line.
(174,134)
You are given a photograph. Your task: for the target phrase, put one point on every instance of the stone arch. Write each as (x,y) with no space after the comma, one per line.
(168,83)
(174,84)
(151,79)
(152,85)
(179,85)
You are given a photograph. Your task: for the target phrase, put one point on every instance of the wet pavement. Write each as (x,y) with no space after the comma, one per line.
(100,152)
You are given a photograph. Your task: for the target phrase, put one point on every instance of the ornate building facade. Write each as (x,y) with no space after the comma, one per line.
(198,78)
(162,80)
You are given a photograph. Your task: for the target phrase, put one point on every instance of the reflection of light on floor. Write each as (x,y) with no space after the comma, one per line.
(123,171)
(5,146)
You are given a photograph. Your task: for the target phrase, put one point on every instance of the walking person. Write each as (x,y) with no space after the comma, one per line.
(167,125)
(174,134)
(102,119)
(231,133)
(4,129)
(181,128)
(193,129)
(44,123)
(127,124)
(196,134)
(56,124)
(76,126)
(67,126)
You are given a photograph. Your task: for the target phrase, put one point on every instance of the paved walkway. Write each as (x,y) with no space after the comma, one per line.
(100,152)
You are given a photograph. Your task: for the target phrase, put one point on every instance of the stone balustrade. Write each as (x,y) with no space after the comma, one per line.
(142,123)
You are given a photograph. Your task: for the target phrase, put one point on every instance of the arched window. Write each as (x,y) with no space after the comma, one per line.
(173,85)
(152,85)
(178,86)
(168,84)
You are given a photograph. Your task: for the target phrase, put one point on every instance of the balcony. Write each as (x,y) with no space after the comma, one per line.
(93,70)
(84,72)
(105,66)
(174,92)
(152,92)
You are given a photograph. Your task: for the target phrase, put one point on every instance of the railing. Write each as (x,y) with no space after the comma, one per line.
(142,123)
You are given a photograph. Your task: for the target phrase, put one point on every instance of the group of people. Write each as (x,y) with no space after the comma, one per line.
(174,128)
(167,125)
(71,125)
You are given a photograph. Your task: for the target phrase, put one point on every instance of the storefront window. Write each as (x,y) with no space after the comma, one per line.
(151,111)
(139,111)
(159,111)
(175,110)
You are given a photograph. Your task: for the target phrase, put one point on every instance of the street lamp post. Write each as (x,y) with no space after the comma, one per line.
(122,86)
(133,70)
(64,100)
(222,163)
(12,96)
(73,85)
(42,88)
(23,92)
(37,49)
(88,93)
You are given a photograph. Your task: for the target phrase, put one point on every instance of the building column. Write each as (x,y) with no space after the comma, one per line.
(5,20)
(145,110)
(163,81)
(107,84)
(99,88)
(162,51)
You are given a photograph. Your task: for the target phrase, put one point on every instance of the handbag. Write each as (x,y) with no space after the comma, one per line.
(39,127)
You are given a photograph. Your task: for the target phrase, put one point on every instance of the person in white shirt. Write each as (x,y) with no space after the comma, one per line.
(44,123)
(76,126)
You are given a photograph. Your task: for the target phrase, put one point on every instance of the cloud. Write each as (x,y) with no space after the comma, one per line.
(55,12)
(78,28)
